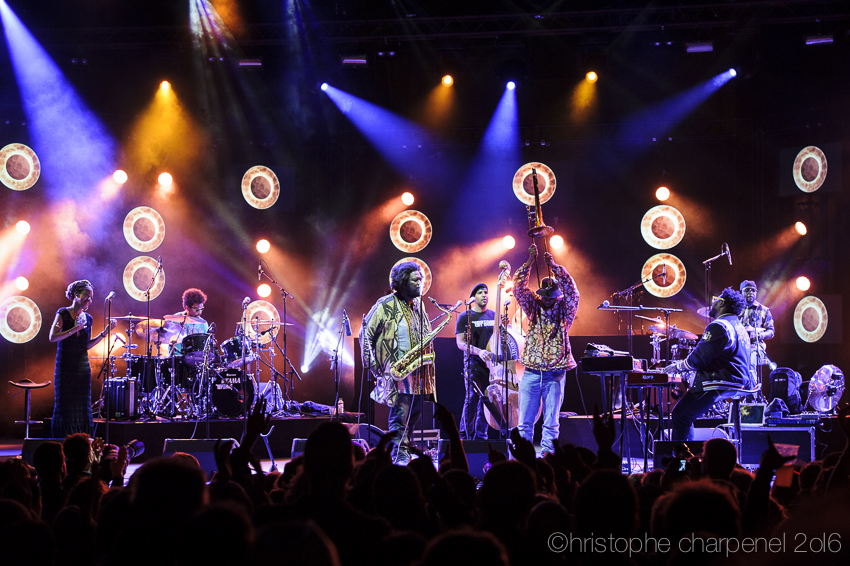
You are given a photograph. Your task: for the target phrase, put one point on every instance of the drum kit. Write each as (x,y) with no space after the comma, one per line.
(186,376)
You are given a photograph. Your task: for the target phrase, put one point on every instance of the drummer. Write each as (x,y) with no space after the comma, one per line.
(190,321)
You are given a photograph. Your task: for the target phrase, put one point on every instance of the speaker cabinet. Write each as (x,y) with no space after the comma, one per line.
(299,443)
(754,441)
(477,454)
(202,449)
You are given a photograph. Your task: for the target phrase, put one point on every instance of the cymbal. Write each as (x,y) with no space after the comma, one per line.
(703,311)
(156,331)
(183,319)
(272,323)
(130,318)
(658,329)
(682,334)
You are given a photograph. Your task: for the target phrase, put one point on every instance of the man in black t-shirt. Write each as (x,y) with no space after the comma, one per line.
(473,424)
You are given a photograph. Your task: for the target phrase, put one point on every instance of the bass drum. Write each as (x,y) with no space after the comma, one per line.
(231,397)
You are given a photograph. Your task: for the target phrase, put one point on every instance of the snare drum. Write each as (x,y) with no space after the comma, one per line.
(193,347)
(229,394)
(231,352)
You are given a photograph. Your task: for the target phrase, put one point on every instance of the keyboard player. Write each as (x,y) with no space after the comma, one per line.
(723,354)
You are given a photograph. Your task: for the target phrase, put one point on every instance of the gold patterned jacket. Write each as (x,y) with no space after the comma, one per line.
(392,328)
(547,345)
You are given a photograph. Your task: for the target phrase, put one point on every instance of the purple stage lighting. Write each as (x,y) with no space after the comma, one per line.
(511,85)
(733,72)
(324,87)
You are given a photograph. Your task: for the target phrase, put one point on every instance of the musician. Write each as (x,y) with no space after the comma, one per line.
(758,321)
(72,391)
(395,325)
(722,354)
(547,356)
(192,322)
(473,424)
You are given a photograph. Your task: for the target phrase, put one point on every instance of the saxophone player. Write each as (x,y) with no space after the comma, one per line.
(396,325)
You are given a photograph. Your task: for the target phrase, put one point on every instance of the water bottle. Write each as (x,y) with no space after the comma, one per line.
(340,407)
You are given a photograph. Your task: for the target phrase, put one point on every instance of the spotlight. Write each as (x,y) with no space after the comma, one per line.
(556,242)
(699,46)
(165,85)
(305,368)
(591,77)
(324,87)
(733,73)
(165,179)
(819,39)
(803,283)
(119,177)
(264,290)
(801,228)
(22,283)
(23,227)
(448,80)
(511,85)
(662,193)
(508,242)
(263,246)
(407,199)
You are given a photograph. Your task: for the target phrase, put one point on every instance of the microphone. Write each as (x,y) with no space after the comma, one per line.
(664,274)
(469,301)
(606,304)
(110,296)
(507,303)
(346,323)
(503,265)
(728,253)
(245,302)
(260,272)
(159,262)
(433,300)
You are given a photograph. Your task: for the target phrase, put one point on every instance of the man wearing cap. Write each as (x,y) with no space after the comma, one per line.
(547,356)
(758,321)
(473,424)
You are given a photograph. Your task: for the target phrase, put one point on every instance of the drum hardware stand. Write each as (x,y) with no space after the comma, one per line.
(265,438)
(287,394)
(147,362)
(335,365)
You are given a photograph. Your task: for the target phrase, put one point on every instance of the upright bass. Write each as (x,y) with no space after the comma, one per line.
(505,367)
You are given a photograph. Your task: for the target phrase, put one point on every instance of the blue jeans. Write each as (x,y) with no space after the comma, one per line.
(689,409)
(473,424)
(546,387)
(405,404)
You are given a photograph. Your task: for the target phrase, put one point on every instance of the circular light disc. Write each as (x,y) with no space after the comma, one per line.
(19,167)
(810,169)
(260,187)
(524,183)
(810,319)
(149,223)
(410,231)
(662,227)
(137,276)
(20,319)
(426,272)
(259,314)
(653,270)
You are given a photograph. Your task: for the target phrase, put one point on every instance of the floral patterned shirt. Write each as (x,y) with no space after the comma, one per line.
(547,345)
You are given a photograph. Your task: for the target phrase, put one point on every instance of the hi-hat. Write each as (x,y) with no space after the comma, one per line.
(130,318)
(680,334)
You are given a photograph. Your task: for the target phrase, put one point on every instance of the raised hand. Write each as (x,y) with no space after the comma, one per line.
(549,259)
(532,251)
(522,449)
(772,459)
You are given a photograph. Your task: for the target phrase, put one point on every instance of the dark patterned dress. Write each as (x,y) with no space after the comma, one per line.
(72,379)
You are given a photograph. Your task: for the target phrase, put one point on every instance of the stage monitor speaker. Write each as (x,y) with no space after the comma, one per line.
(299,443)
(31,444)
(202,449)
(664,449)
(754,441)
(477,454)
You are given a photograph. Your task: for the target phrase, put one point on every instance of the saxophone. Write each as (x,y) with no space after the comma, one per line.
(414,358)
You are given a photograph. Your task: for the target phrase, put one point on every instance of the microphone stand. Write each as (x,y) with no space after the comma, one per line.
(107,377)
(707,263)
(335,369)
(286,361)
(147,362)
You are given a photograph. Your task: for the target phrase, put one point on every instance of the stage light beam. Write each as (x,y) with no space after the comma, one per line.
(120,177)
(803,283)
(165,179)
(407,199)
(556,242)
(508,242)
(164,85)
(511,85)
(324,87)
(801,228)
(591,77)
(448,80)
(263,246)
(662,193)
(23,227)
(21,283)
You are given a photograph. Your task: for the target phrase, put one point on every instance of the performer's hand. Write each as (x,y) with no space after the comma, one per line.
(672,368)
(532,251)
(485,355)
(549,259)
